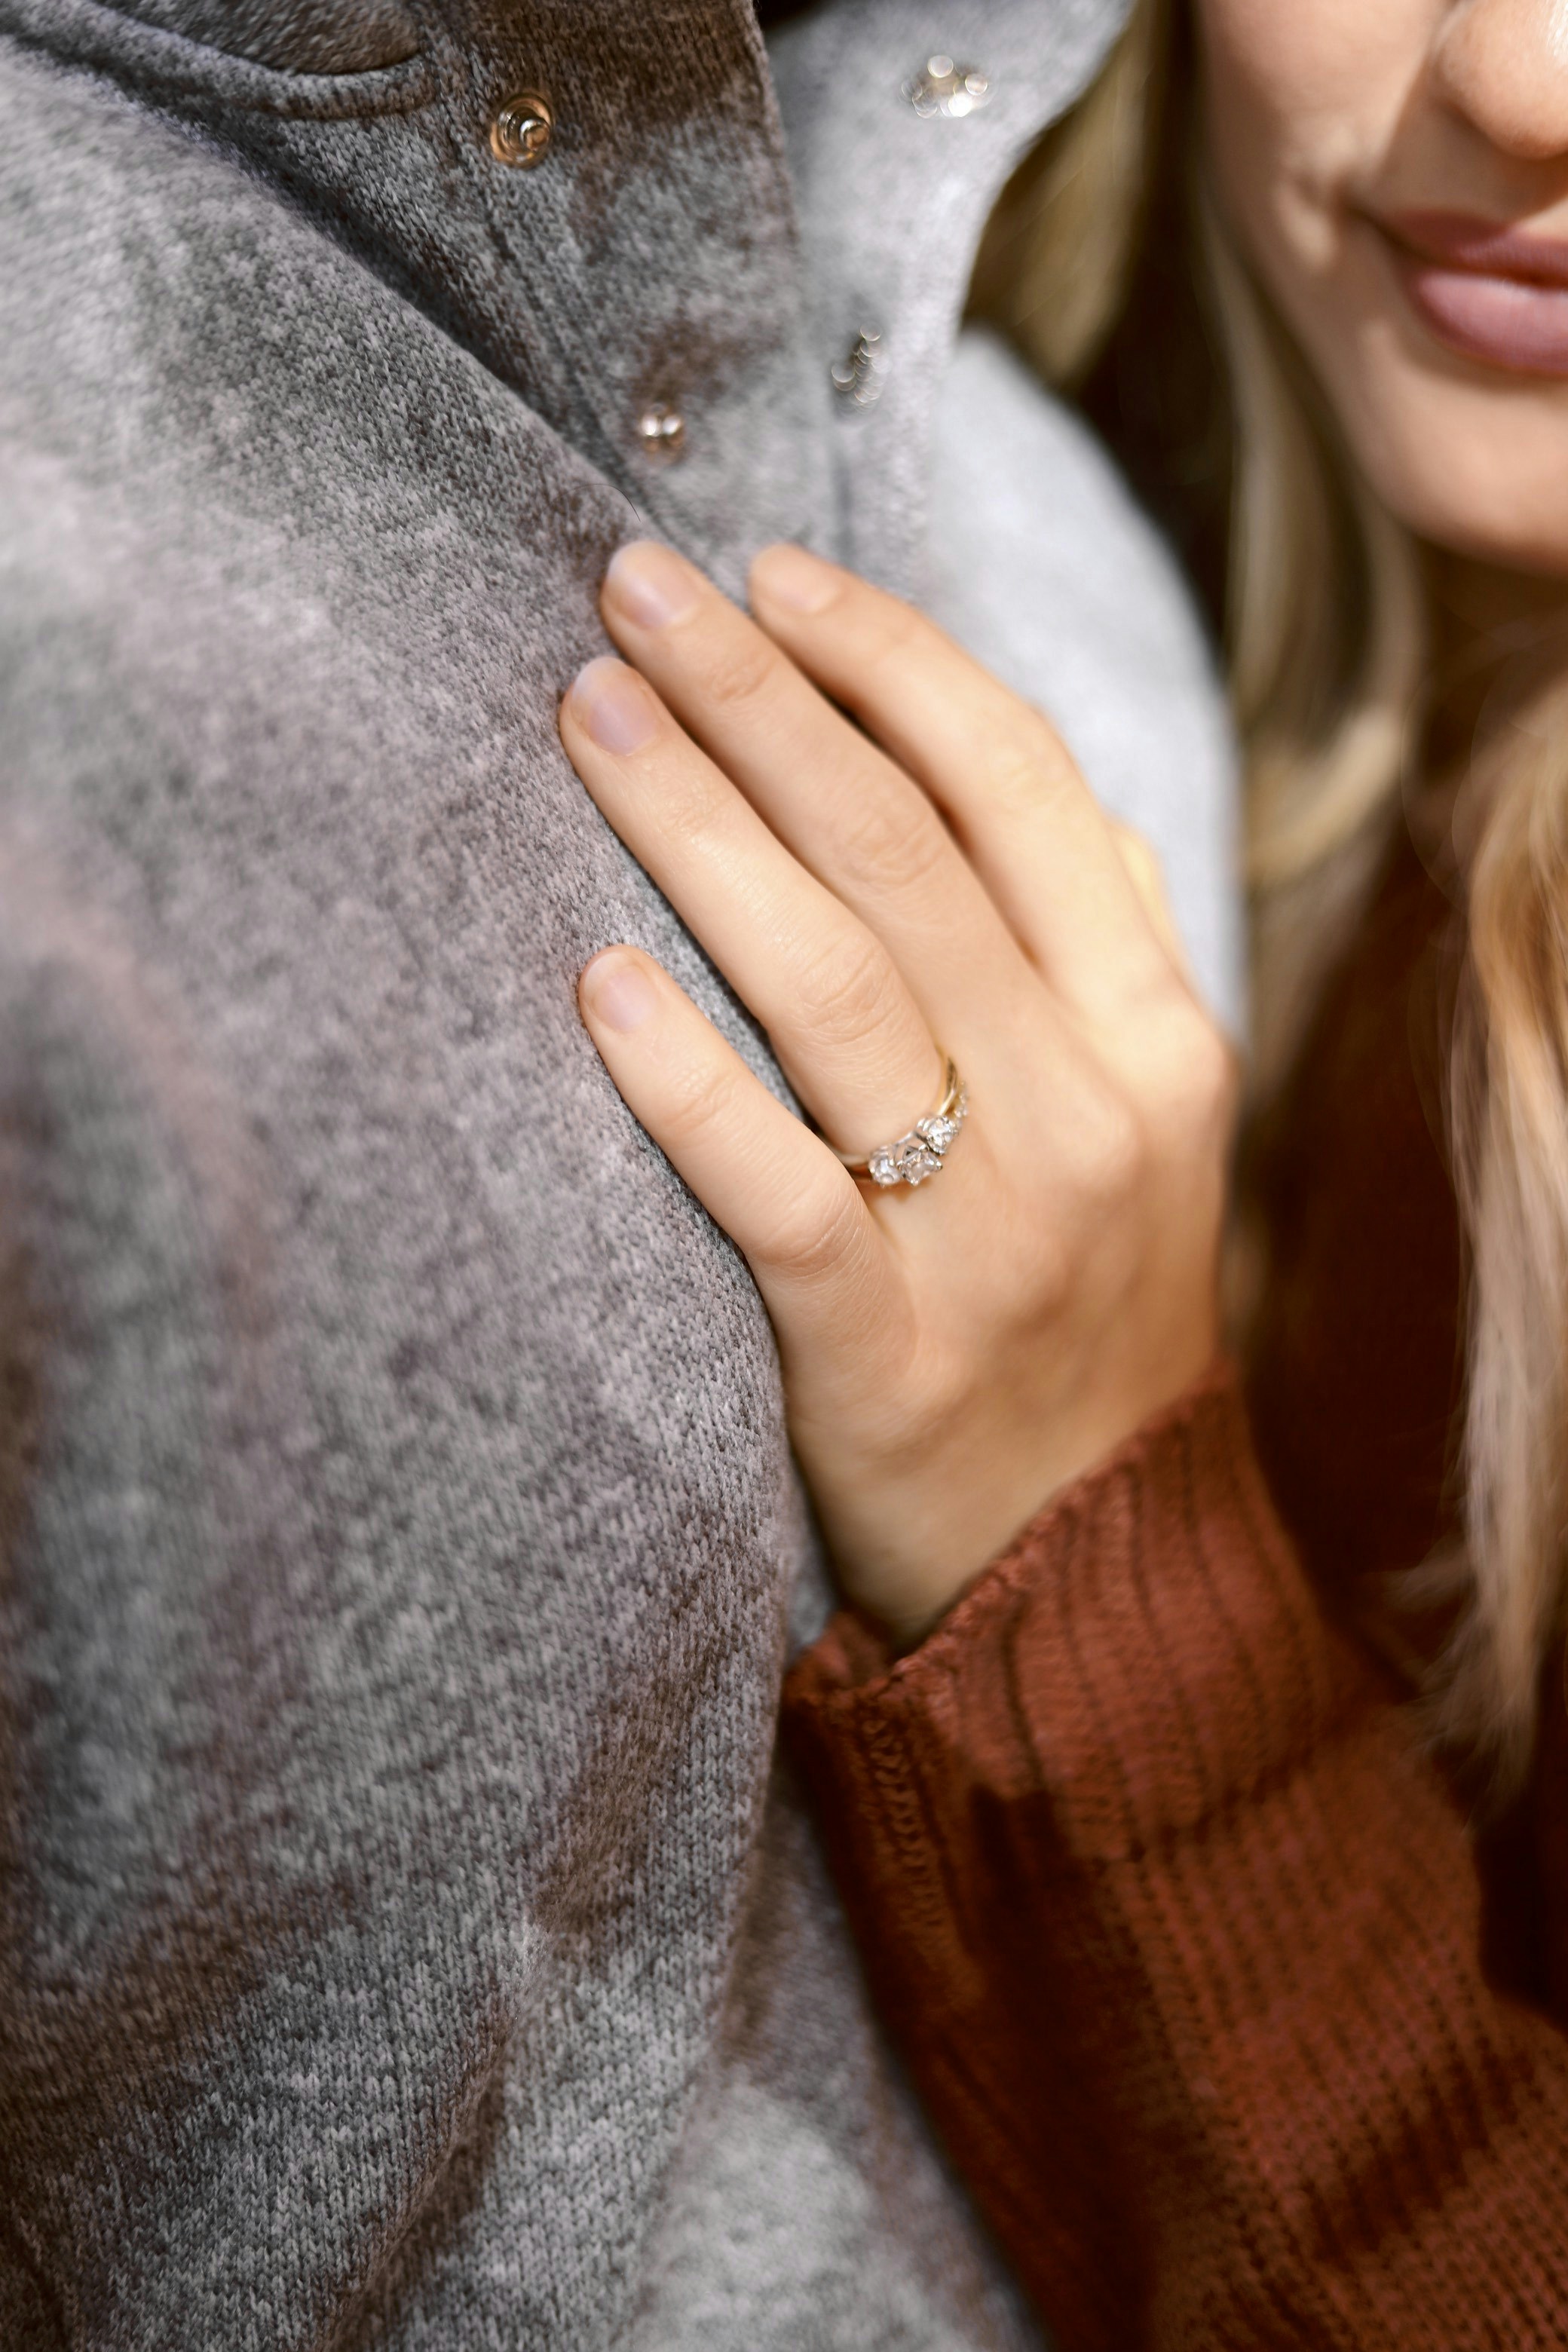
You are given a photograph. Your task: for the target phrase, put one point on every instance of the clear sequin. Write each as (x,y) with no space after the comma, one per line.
(856,378)
(944,88)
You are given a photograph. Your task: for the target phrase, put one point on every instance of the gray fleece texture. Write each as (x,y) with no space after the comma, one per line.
(405,1936)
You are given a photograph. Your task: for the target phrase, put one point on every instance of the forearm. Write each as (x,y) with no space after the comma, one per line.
(1183,1936)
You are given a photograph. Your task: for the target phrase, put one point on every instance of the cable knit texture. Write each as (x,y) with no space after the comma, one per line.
(405,1939)
(1183,1935)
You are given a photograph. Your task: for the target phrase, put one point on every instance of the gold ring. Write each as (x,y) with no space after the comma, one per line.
(921,1153)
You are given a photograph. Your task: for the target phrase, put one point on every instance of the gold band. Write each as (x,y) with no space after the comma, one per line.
(920,1153)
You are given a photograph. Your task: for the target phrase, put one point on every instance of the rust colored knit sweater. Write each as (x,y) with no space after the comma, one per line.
(1240,2037)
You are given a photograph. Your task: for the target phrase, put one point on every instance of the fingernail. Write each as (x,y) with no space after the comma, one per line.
(650,585)
(789,575)
(614,705)
(619,992)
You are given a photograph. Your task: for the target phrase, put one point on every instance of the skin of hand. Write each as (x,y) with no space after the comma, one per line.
(952,1354)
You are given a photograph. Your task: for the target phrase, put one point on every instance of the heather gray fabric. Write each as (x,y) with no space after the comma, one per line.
(1040,562)
(399,1944)
(310,36)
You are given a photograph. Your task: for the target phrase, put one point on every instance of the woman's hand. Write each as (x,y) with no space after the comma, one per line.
(950,1355)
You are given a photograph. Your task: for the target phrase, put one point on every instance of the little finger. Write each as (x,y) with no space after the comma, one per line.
(845,1026)
(795,1214)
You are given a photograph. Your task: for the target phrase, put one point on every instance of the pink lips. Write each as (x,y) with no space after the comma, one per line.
(1496,294)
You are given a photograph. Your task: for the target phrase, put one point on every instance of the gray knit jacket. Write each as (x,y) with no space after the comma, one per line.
(405,1937)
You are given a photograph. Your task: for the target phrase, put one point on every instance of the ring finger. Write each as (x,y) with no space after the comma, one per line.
(847,1032)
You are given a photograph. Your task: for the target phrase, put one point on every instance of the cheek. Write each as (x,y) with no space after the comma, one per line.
(1310,107)
(1303,100)
(1291,55)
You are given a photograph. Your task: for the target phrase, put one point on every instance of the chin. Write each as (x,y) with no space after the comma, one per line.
(1468,455)
(1456,473)
(1473,458)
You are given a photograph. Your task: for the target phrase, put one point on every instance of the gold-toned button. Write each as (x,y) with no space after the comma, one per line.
(662,432)
(521,132)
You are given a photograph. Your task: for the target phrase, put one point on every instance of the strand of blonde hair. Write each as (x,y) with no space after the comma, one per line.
(1326,651)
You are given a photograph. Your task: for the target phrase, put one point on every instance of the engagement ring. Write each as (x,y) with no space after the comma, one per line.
(921,1153)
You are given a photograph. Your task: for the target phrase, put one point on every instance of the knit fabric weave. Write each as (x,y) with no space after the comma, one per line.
(404,1937)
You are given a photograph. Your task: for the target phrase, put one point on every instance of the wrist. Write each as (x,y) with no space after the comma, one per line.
(908,1544)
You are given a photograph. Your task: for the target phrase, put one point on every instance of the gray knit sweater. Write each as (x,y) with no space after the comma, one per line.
(402,1940)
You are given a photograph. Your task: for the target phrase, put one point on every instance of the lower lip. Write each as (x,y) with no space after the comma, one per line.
(1504,321)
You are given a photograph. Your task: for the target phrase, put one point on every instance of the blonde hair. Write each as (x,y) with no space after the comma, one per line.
(1326,653)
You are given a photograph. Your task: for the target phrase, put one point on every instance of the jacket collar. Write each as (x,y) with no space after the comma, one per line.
(895,177)
(708,233)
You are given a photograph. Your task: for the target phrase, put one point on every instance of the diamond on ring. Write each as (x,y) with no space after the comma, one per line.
(919,1154)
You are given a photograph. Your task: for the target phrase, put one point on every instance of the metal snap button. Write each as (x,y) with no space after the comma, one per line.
(856,378)
(521,132)
(942,88)
(662,432)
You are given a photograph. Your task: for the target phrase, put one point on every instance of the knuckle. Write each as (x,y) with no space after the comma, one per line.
(1214,1076)
(1119,1152)
(818,1234)
(888,845)
(1194,1077)
(691,799)
(1013,779)
(740,669)
(1110,1153)
(700,1095)
(845,991)
(1024,773)
(893,631)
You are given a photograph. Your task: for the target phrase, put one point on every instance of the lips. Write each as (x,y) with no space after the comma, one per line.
(1491,292)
